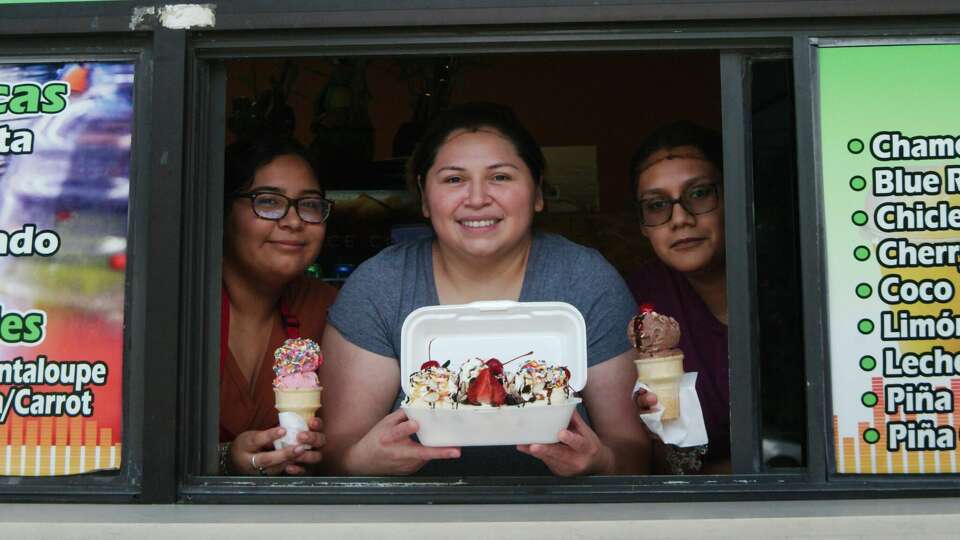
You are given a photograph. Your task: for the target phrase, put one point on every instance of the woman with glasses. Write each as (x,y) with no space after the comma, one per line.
(676,178)
(274,215)
(479,173)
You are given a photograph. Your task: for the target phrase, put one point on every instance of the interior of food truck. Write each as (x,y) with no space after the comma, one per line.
(360,117)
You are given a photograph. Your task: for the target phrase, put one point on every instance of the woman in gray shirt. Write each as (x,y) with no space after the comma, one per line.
(480,174)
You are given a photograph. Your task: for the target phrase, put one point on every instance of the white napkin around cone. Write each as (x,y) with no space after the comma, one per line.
(294,424)
(686,430)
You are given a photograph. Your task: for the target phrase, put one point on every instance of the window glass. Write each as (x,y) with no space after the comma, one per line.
(781,364)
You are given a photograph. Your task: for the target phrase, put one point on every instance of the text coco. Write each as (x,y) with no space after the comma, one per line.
(894,289)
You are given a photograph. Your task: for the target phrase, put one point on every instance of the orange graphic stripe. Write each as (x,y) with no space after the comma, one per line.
(54,446)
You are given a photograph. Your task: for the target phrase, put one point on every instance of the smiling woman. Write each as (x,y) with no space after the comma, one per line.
(479,173)
(273,230)
(480,194)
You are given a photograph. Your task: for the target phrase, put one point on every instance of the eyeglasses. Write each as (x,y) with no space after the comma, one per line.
(274,206)
(699,199)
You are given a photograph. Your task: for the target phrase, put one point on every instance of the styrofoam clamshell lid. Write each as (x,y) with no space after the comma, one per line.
(554,331)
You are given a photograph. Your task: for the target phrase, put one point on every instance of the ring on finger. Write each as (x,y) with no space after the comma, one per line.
(253,461)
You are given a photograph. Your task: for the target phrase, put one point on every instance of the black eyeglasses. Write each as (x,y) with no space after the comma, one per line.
(274,206)
(699,199)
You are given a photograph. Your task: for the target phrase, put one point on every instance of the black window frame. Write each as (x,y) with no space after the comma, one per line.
(737,49)
(207,50)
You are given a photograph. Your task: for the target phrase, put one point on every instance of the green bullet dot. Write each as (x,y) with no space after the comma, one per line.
(862,253)
(869,399)
(865,326)
(855,146)
(860,218)
(864,290)
(857,183)
(867,363)
(871,435)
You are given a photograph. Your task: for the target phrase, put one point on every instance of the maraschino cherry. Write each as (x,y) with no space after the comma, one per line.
(429,363)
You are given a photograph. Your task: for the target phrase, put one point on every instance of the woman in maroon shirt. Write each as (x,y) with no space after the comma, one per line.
(273,230)
(677,182)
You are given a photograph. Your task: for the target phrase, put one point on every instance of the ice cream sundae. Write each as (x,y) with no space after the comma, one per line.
(483,383)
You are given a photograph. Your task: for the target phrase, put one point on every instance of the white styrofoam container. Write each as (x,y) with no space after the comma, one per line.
(554,331)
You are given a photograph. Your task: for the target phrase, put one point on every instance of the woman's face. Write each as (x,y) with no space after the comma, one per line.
(686,242)
(275,250)
(479,195)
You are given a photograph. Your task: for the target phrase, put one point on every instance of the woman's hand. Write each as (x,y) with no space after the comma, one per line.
(387,449)
(578,452)
(613,414)
(252,451)
(360,387)
(645,400)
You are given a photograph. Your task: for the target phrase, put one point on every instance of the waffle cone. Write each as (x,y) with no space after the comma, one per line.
(662,375)
(302,401)
(668,396)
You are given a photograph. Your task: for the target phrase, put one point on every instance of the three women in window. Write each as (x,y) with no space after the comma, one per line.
(479,174)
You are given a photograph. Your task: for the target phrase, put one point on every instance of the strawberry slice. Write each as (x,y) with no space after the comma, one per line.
(495,366)
(486,390)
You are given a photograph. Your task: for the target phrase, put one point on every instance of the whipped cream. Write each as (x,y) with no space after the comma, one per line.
(435,387)
(538,383)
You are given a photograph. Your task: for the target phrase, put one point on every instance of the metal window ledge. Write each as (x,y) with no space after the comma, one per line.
(928,519)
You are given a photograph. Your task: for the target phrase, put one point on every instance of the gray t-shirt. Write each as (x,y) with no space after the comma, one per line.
(372,305)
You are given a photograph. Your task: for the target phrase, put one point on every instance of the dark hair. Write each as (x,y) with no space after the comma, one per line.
(245,157)
(473,117)
(673,135)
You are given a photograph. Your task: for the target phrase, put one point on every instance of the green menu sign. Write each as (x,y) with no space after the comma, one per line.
(890,150)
